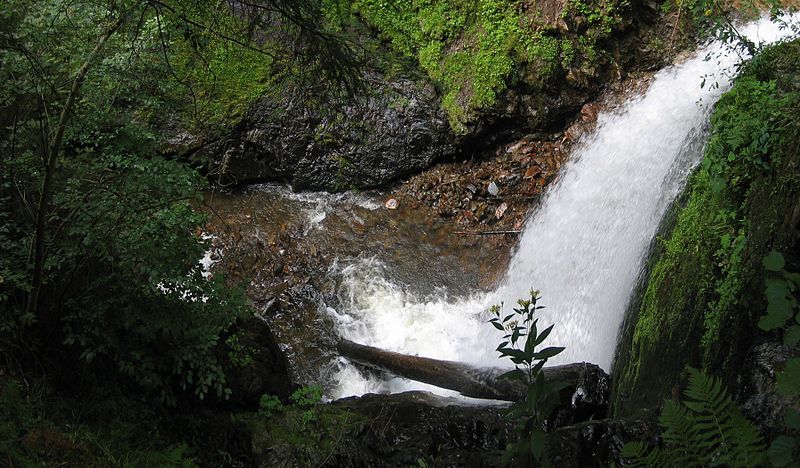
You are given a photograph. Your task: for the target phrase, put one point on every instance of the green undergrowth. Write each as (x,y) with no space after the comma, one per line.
(304,432)
(704,293)
(44,426)
(473,50)
(39,429)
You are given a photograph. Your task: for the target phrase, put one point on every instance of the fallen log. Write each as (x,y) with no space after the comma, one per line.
(470,381)
(586,388)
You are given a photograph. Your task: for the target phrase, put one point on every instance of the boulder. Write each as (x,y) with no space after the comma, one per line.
(412,428)
(392,130)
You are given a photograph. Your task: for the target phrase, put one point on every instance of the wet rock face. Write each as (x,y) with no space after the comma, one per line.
(267,371)
(597,443)
(396,126)
(394,129)
(762,404)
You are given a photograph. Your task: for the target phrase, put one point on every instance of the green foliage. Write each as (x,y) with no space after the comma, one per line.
(782,306)
(706,429)
(746,121)
(269,405)
(123,294)
(783,312)
(303,408)
(38,431)
(238,354)
(785,449)
(307,398)
(519,344)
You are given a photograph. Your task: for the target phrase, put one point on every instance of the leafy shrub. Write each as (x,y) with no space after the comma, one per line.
(783,312)
(307,398)
(269,405)
(122,294)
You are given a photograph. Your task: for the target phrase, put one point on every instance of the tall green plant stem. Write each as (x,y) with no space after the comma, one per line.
(51,165)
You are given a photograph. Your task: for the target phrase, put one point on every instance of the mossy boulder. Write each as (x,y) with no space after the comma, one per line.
(393,129)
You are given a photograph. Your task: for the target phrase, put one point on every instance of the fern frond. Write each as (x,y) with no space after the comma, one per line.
(681,434)
(707,429)
(636,454)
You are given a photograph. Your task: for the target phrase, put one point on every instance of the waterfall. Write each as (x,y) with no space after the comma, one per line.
(584,247)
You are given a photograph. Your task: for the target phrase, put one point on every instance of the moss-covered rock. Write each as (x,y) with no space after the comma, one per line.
(475,51)
(442,80)
(704,292)
(393,129)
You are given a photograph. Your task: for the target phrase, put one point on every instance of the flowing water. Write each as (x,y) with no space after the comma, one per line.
(583,248)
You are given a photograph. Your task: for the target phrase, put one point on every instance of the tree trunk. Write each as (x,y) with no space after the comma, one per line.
(586,383)
(51,165)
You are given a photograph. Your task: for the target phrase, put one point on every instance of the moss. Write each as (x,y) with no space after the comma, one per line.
(223,82)
(472,50)
(704,292)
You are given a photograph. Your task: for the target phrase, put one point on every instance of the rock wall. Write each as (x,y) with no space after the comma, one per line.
(396,125)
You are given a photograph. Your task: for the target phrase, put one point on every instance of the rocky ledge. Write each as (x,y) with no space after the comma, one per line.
(421,429)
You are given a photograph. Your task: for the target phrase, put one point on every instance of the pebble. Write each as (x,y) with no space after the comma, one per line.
(501,210)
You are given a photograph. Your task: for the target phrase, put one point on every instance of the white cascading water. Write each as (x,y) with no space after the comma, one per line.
(584,247)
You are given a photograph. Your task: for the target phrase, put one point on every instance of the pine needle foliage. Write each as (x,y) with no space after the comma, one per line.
(706,429)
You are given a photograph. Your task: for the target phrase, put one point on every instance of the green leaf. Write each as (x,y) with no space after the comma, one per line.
(716,183)
(537,444)
(774,261)
(530,345)
(792,419)
(780,304)
(543,336)
(776,288)
(515,374)
(792,335)
(772,321)
(788,381)
(782,450)
(793,277)
(547,353)
(497,326)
